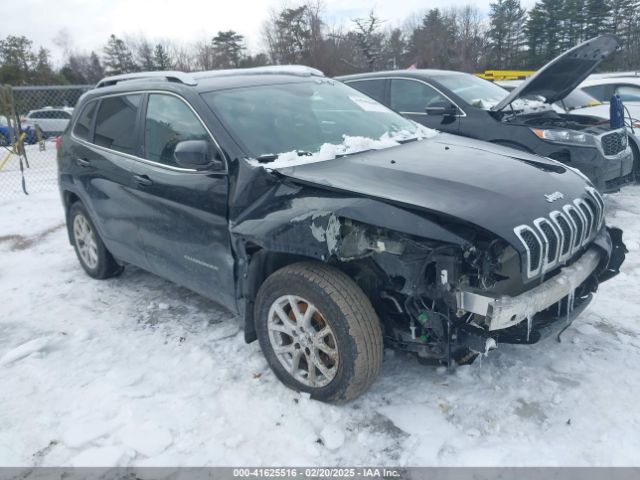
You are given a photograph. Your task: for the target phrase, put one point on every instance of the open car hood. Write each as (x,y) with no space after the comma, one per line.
(564,73)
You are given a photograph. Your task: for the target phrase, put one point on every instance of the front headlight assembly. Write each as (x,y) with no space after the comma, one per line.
(565,137)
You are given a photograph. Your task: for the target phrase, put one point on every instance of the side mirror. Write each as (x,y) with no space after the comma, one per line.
(196,154)
(445,109)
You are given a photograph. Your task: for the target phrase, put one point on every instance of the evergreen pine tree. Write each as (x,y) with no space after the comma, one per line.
(118,58)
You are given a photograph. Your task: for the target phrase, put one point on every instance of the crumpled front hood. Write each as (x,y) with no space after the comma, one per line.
(493,187)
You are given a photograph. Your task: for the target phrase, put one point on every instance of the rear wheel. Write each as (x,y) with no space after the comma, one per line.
(636,161)
(319,332)
(94,257)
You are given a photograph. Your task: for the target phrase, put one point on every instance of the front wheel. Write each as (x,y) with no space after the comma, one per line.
(319,332)
(636,161)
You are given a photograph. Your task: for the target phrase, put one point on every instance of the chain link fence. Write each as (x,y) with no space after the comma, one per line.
(28,153)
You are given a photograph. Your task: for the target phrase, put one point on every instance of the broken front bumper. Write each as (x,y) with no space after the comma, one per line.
(504,312)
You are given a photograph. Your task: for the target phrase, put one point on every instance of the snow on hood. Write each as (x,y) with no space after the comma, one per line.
(350,144)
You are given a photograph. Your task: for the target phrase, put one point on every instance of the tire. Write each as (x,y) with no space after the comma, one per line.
(350,353)
(92,254)
(4,141)
(636,161)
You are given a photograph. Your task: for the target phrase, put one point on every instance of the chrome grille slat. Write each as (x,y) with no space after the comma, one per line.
(551,239)
(578,223)
(595,195)
(567,233)
(534,247)
(583,207)
(555,239)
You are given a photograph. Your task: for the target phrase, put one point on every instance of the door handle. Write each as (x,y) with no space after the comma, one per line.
(143,180)
(83,162)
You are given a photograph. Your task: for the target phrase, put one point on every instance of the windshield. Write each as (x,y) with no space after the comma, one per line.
(473,90)
(306,117)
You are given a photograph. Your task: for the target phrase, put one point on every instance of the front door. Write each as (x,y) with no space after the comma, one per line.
(412,97)
(184,224)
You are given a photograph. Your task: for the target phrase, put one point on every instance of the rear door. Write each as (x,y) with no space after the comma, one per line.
(184,219)
(104,144)
(412,97)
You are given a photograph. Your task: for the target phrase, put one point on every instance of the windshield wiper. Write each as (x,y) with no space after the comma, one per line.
(407,140)
(270,157)
(267,157)
(340,155)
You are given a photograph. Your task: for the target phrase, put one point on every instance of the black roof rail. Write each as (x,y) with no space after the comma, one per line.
(170,76)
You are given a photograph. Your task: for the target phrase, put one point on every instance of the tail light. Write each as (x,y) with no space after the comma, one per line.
(23,119)
(58,142)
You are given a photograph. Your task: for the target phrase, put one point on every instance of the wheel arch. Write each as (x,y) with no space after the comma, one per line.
(264,244)
(634,143)
(260,264)
(68,199)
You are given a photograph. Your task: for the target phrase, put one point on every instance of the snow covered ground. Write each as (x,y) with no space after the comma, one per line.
(137,371)
(40,174)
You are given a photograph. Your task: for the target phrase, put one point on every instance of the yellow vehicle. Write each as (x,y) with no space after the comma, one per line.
(498,75)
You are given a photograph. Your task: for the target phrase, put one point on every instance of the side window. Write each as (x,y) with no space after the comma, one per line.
(628,93)
(169,121)
(115,125)
(373,88)
(410,96)
(37,115)
(82,128)
(598,91)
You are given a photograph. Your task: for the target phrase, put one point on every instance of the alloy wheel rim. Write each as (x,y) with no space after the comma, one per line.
(85,240)
(303,341)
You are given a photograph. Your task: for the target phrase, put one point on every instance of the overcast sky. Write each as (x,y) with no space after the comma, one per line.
(89,23)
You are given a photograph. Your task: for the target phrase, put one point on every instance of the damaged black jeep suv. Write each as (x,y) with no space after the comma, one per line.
(330,224)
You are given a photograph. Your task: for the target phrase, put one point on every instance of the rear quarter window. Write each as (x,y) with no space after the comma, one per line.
(373,88)
(598,91)
(82,128)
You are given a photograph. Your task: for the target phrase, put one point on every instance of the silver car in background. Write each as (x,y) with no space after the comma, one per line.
(51,120)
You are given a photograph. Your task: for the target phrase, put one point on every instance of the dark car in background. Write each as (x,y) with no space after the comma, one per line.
(579,102)
(328,223)
(523,119)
